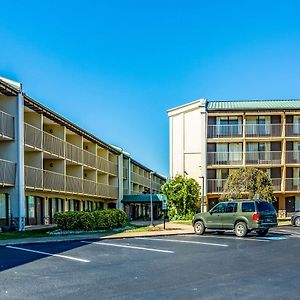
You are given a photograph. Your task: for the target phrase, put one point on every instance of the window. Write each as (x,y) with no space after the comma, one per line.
(31,207)
(231,207)
(248,207)
(264,206)
(219,209)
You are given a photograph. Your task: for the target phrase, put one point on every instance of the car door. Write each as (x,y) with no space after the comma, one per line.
(229,215)
(214,219)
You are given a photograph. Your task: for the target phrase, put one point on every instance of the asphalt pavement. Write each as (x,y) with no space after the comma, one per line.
(162,267)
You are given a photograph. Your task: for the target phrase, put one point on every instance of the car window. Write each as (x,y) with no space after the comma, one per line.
(248,207)
(219,209)
(231,207)
(264,206)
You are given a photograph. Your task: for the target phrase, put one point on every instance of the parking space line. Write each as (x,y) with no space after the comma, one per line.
(231,238)
(181,241)
(129,247)
(49,254)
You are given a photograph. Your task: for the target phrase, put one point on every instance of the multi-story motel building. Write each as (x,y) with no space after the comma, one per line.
(49,164)
(209,139)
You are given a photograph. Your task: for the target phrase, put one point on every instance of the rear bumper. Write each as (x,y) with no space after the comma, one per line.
(261,225)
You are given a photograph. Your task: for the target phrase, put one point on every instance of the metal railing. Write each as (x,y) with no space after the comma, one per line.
(102,190)
(102,164)
(33,136)
(6,125)
(125,170)
(74,184)
(33,177)
(112,168)
(292,157)
(73,153)
(113,191)
(89,187)
(261,130)
(276,184)
(220,131)
(139,179)
(292,184)
(54,181)
(292,129)
(7,173)
(225,158)
(215,185)
(263,157)
(53,144)
(89,159)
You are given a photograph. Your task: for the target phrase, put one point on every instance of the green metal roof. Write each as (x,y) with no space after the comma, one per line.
(253,105)
(143,198)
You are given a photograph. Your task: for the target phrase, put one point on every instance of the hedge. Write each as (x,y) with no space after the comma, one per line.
(90,220)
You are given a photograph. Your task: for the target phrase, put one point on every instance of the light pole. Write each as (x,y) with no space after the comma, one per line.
(151,203)
(202,194)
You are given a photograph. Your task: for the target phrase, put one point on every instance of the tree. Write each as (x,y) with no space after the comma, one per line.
(251,182)
(183,196)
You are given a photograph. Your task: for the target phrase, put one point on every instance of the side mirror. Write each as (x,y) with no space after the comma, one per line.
(210,211)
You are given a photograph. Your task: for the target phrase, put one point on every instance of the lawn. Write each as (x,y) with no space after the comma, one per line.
(25,234)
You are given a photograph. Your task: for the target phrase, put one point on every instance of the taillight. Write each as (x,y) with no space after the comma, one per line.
(255,217)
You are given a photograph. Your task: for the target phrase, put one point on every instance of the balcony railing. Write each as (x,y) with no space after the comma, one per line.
(102,164)
(89,159)
(139,179)
(263,157)
(276,184)
(292,129)
(54,181)
(7,173)
(102,189)
(125,170)
(225,158)
(292,157)
(33,136)
(220,131)
(112,168)
(6,125)
(73,153)
(113,191)
(74,184)
(262,130)
(89,187)
(215,185)
(292,184)
(53,144)
(33,177)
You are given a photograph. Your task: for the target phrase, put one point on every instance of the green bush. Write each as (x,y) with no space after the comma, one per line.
(87,220)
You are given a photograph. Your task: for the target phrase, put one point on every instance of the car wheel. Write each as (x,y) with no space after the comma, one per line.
(262,232)
(199,227)
(297,222)
(240,229)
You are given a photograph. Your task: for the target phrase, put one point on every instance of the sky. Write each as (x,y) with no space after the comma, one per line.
(115,67)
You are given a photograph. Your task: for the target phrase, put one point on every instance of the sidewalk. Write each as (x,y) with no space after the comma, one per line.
(171,229)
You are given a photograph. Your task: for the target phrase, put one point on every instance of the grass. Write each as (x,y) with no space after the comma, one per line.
(25,234)
(184,222)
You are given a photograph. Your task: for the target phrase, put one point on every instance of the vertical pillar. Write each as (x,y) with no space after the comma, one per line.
(120,181)
(129,176)
(244,139)
(283,159)
(46,210)
(20,183)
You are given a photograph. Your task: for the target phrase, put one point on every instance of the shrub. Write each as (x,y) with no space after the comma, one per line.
(86,220)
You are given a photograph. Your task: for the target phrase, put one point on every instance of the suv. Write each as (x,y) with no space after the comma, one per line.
(242,216)
(295,219)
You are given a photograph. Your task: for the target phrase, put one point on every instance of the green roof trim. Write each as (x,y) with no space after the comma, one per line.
(143,198)
(253,105)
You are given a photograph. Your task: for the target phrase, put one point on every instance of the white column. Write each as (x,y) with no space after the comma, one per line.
(20,183)
(120,181)
(129,176)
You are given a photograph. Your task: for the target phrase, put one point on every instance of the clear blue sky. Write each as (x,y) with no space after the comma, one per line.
(115,67)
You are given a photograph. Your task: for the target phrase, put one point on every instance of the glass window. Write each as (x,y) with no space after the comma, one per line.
(31,206)
(3,206)
(248,207)
(264,206)
(231,207)
(71,205)
(219,209)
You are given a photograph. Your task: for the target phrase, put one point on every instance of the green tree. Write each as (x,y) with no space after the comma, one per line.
(251,182)
(183,196)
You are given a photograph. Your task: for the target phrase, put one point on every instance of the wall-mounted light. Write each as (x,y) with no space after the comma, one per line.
(51,165)
(51,130)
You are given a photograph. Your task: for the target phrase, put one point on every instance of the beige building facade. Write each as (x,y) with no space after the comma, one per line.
(209,139)
(49,164)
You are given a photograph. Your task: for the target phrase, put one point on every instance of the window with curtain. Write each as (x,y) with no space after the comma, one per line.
(296,125)
(296,177)
(222,153)
(235,152)
(31,207)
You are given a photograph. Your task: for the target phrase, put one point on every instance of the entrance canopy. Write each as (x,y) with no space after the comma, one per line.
(143,198)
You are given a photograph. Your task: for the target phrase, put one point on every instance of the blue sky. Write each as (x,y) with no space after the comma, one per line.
(115,67)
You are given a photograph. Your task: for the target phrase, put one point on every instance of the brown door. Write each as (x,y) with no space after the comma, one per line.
(290,204)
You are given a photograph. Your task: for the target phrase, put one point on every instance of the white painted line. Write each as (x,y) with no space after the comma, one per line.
(286,231)
(130,247)
(181,241)
(49,254)
(230,238)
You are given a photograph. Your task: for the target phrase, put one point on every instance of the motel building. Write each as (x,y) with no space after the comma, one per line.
(209,139)
(49,164)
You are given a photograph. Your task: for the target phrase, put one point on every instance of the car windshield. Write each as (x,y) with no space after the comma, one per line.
(265,206)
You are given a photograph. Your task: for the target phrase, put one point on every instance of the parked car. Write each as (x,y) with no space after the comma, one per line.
(295,219)
(243,216)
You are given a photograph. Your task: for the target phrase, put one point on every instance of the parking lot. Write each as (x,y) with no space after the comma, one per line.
(173,267)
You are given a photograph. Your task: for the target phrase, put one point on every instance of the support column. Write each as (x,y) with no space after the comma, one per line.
(244,139)
(46,211)
(120,182)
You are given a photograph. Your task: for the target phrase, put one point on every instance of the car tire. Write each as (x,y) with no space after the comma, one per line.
(199,227)
(297,222)
(240,229)
(262,232)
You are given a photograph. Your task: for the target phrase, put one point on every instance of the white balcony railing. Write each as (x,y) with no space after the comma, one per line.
(6,125)
(33,136)
(292,157)
(7,173)
(73,153)
(221,131)
(263,157)
(292,184)
(89,187)
(292,129)
(215,185)
(33,177)
(225,158)
(74,184)
(262,130)
(89,159)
